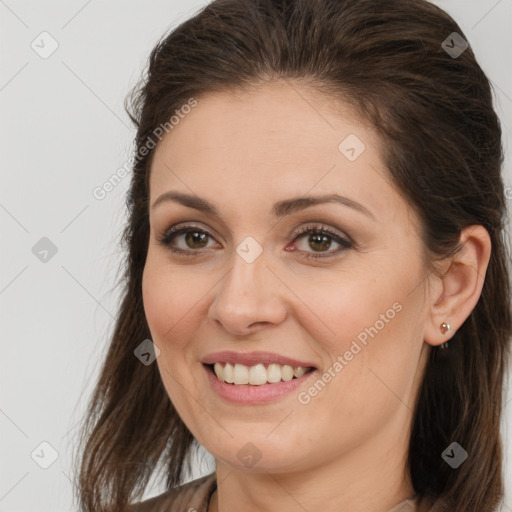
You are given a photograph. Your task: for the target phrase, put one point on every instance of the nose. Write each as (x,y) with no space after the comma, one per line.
(248,297)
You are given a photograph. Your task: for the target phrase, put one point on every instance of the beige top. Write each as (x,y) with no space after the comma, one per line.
(194,496)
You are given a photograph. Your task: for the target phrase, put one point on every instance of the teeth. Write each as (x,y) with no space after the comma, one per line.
(287,373)
(274,373)
(299,371)
(228,373)
(219,371)
(241,374)
(256,375)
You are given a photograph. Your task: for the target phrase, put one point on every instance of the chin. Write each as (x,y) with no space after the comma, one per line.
(251,453)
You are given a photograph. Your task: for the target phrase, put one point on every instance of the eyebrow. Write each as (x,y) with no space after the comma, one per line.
(280,209)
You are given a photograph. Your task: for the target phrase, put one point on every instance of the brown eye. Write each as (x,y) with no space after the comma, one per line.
(320,240)
(193,239)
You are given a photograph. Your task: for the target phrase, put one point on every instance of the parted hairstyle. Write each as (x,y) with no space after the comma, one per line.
(442,147)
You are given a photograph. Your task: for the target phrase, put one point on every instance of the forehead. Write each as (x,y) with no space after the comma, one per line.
(291,121)
(268,143)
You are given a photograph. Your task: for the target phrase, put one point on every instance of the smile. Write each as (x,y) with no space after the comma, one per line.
(259,374)
(265,391)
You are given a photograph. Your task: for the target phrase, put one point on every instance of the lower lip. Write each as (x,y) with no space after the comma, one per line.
(250,394)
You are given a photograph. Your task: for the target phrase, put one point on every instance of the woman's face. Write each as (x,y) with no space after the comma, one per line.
(349,300)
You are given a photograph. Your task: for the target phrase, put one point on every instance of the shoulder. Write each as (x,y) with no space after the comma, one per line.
(192,496)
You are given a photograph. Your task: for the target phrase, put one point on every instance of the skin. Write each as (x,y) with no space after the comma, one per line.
(244,151)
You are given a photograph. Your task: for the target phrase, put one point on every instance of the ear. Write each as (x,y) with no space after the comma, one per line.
(457,294)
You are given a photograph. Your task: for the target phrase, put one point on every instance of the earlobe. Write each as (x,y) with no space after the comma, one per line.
(445,328)
(461,288)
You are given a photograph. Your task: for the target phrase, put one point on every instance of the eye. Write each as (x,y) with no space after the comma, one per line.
(193,238)
(320,239)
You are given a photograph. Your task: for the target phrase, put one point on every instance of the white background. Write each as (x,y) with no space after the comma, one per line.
(63,132)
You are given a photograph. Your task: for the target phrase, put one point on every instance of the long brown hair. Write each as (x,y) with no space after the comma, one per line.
(442,145)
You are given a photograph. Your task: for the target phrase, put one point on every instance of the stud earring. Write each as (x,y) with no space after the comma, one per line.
(445,327)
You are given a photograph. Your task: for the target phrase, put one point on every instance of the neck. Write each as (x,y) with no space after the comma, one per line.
(369,478)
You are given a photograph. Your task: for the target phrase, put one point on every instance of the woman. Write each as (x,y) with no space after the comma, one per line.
(316,286)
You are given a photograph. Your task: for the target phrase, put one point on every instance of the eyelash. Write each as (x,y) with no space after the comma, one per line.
(173,232)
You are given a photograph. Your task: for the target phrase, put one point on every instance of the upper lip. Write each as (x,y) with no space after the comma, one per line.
(253,358)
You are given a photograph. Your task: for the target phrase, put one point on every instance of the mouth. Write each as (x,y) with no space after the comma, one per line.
(257,375)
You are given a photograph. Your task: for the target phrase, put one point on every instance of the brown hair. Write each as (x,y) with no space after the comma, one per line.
(442,146)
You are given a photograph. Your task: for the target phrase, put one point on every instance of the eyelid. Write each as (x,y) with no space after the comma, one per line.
(185,226)
(321,227)
(313,227)
(344,242)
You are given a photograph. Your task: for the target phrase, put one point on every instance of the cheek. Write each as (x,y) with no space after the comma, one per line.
(159,305)
(171,299)
(369,324)
(347,307)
